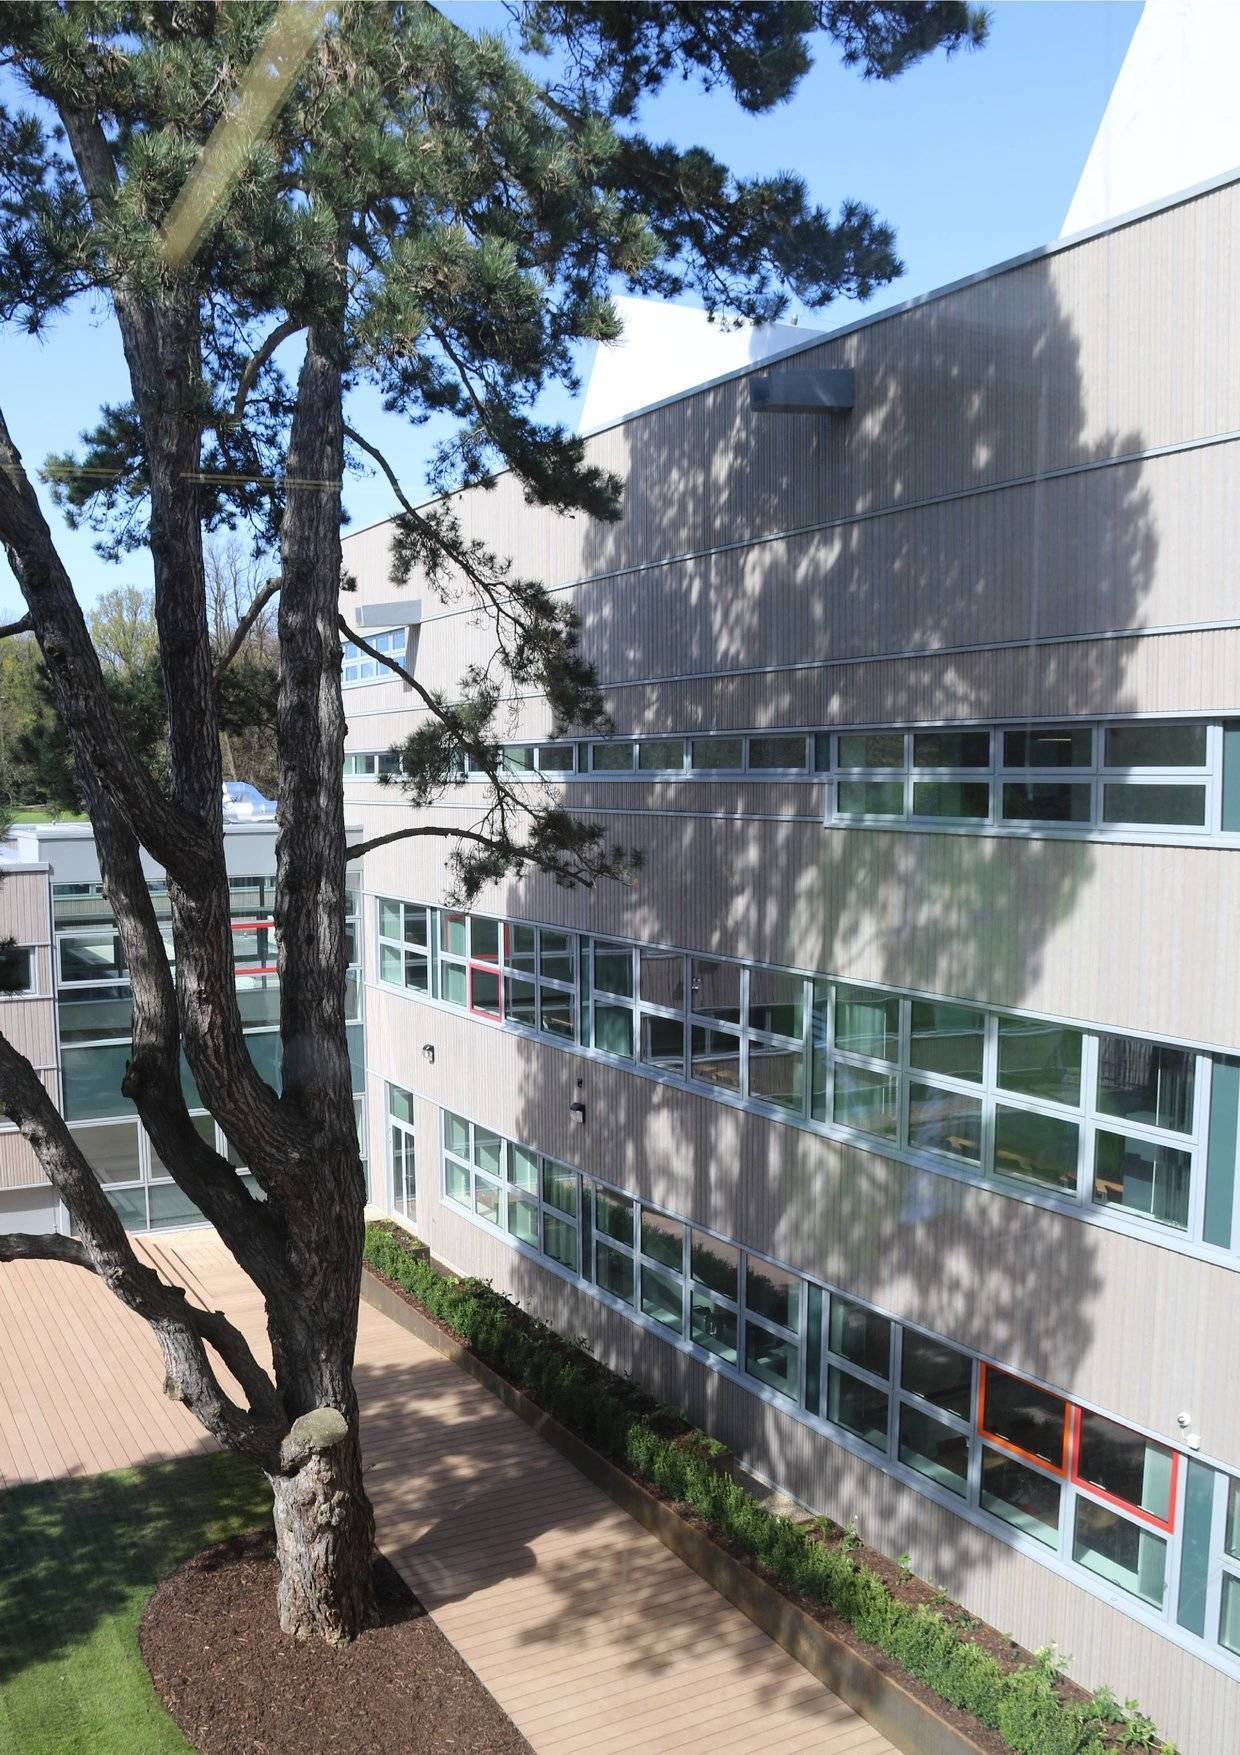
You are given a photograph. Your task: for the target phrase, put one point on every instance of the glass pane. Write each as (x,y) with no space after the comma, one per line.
(871,749)
(860,1335)
(968,800)
(662,976)
(488,1150)
(771,1360)
(951,749)
(92,1014)
(613,1215)
(716,1058)
(91,956)
(456,1181)
(773,1292)
(777,1076)
(947,1039)
(1043,1060)
(776,1003)
(417,971)
(662,1298)
(456,1134)
(713,1263)
(1049,746)
(555,758)
(111,1152)
(518,758)
(1172,806)
(613,970)
(1142,1177)
(523,1168)
(1031,1419)
(1042,1147)
(484,940)
(130,1207)
(1020,1496)
(613,1030)
(1047,801)
(521,1003)
(944,1121)
(867,1022)
(663,1044)
(560,1187)
(1156,746)
(934,1449)
(486,1200)
(523,1219)
(870,798)
(822,751)
(717,752)
(1146,1081)
(400,1104)
(389,919)
(453,983)
(609,757)
(1231,1527)
(453,934)
(613,1272)
(663,1239)
(1124,1553)
(556,960)
(858,1407)
(1122,1463)
(777,752)
(868,1101)
(937,1373)
(92,1081)
(661,753)
(1229,1613)
(716,990)
(417,925)
(560,1241)
(557,1013)
(523,949)
(712,1327)
(203,1126)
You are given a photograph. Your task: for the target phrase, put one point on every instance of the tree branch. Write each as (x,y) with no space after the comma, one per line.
(254,366)
(442,830)
(261,600)
(24,626)
(45,1246)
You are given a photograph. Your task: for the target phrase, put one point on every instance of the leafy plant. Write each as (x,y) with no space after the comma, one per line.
(850,1541)
(905,1567)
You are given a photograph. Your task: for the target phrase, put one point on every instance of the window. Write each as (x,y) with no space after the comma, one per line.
(1120,1465)
(859,1351)
(1024,1419)
(405,945)
(469,970)
(17,970)
(540,980)
(359,667)
(772,1326)
(401,1151)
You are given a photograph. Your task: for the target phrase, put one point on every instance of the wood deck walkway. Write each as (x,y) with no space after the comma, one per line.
(591,1635)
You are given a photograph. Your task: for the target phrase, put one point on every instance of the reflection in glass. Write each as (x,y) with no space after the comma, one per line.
(870,798)
(871,749)
(1124,1553)
(1029,1418)
(714,1263)
(1123,1463)
(1042,1060)
(944,1121)
(947,1039)
(771,1360)
(1047,801)
(662,1299)
(662,1239)
(1142,1177)
(858,1407)
(1146,1081)
(934,1450)
(773,1292)
(716,1057)
(867,1100)
(860,1335)
(713,1327)
(867,1022)
(613,1272)
(1040,1147)
(966,800)
(937,1373)
(1020,1496)
(1049,746)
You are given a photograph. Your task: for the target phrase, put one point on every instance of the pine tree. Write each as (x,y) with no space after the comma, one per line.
(441,216)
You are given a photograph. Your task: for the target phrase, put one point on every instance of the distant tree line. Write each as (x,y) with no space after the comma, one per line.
(36,765)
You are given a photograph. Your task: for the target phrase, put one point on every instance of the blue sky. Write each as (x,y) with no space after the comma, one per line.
(973,159)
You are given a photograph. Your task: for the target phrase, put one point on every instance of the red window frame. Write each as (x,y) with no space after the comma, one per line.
(252,926)
(1079,1481)
(1040,1462)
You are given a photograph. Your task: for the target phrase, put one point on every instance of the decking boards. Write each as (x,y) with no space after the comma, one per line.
(591,1635)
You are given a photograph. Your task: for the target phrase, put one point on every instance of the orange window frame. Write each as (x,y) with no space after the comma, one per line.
(1167,1523)
(1006,1444)
(254,926)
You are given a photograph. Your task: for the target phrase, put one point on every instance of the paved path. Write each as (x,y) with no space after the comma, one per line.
(591,1635)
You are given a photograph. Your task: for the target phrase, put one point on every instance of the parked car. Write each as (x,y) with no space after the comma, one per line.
(244,803)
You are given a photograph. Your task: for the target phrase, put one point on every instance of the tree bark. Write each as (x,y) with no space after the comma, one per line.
(325,1531)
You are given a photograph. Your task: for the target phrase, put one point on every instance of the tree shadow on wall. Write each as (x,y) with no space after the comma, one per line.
(967,502)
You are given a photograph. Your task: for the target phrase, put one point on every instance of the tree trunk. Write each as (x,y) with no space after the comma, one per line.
(325,1532)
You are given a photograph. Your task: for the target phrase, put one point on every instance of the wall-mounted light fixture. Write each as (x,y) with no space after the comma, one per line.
(578,1112)
(428,1053)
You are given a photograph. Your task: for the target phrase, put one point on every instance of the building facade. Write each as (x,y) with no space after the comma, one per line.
(887,1120)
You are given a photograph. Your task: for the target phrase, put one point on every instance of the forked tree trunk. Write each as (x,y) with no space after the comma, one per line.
(325,1532)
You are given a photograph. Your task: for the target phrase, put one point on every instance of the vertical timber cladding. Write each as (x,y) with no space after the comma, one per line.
(1038,467)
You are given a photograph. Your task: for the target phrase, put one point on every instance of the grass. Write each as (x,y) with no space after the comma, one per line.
(80,1560)
(35,814)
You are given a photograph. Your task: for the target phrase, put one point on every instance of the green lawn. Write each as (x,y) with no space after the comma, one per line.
(32,813)
(78,1560)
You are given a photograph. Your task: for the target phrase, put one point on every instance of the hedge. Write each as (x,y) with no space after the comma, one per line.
(657,1447)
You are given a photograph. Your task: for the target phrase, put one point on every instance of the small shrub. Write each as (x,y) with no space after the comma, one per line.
(656,1445)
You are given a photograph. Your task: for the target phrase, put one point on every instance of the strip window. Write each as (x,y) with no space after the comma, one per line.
(1093,1121)
(1101,1501)
(1135,779)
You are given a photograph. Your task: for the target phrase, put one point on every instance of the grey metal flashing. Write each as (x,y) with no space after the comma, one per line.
(825,390)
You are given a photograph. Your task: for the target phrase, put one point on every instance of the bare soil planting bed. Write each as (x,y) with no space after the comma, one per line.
(237,1685)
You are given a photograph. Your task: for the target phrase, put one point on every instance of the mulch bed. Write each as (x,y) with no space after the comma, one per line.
(236,1685)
